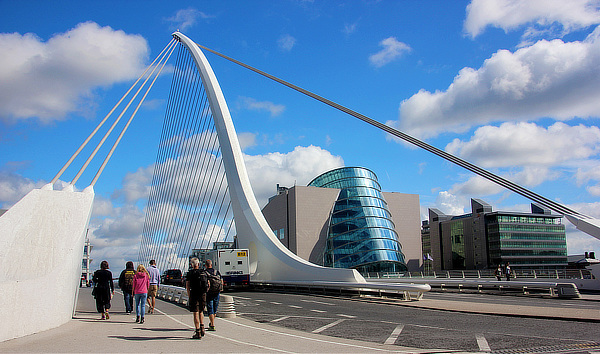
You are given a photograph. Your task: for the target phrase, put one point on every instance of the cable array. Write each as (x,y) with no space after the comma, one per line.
(152,71)
(188,205)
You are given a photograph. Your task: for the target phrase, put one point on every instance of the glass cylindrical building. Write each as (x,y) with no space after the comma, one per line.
(361,234)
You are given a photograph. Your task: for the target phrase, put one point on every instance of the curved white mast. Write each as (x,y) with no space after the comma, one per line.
(269,259)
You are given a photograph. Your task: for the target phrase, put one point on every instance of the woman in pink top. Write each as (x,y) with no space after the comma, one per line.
(141,283)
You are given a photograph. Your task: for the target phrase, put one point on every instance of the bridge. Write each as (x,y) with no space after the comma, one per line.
(224,202)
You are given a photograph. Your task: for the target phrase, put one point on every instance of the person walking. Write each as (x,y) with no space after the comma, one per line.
(498,272)
(141,283)
(104,289)
(508,271)
(126,286)
(196,286)
(212,296)
(154,283)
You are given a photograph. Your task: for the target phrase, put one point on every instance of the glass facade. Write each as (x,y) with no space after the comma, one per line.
(526,241)
(361,232)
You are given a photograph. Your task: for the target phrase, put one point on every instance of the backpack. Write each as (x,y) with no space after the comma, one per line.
(216,283)
(128,279)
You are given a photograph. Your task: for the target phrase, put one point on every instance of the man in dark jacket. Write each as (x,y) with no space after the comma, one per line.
(126,285)
(197,285)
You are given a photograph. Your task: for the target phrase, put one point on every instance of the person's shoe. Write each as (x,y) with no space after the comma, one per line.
(137,319)
(107,316)
(202,333)
(211,328)
(141,320)
(197,335)
(103,317)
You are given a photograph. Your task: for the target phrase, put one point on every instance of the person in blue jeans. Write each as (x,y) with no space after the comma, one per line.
(212,296)
(141,283)
(126,285)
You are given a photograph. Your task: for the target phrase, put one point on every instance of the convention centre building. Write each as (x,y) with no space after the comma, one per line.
(342,219)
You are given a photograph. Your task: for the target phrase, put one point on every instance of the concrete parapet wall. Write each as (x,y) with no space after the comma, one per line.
(41,248)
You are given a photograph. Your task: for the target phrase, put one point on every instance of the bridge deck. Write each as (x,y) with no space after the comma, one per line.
(169,330)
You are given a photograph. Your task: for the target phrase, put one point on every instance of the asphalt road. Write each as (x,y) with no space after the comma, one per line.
(425,328)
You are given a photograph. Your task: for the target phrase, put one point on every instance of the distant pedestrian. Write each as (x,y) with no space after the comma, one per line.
(126,285)
(498,273)
(197,285)
(508,272)
(154,283)
(141,283)
(104,289)
(212,296)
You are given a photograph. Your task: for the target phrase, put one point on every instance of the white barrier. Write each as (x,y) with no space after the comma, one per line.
(41,247)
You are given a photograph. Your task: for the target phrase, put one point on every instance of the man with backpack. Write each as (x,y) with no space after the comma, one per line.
(126,285)
(196,285)
(212,296)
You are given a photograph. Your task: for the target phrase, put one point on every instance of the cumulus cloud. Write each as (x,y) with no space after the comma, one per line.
(286,42)
(512,14)
(299,166)
(254,105)
(14,187)
(186,18)
(392,50)
(49,79)
(519,144)
(548,79)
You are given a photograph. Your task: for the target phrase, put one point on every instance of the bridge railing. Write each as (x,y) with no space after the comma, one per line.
(488,274)
(406,292)
(561,289)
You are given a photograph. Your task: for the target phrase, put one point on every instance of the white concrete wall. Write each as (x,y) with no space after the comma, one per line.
(41,248)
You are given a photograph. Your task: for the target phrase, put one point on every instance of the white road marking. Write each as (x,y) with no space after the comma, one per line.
(319,311)
(482,343)
(395,334)
(276,303)
(294,306)
(280,319)
(321,329)
(318,302)
(347,316)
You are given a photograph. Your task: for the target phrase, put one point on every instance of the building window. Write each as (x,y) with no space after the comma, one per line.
(281,234)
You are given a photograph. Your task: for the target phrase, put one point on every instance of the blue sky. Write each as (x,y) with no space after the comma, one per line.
(512,86)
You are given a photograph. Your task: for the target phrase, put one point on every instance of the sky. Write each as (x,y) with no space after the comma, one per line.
(510,85)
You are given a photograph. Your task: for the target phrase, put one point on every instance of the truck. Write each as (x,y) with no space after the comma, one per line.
(232,263)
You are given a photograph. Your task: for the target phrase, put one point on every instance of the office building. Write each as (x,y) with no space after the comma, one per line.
(485,239)
(342,219)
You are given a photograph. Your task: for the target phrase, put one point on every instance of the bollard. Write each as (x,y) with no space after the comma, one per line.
(226,307)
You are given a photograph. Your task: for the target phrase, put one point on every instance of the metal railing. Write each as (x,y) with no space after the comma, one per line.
(488,274)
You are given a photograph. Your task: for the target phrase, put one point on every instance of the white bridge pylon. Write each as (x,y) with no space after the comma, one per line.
(269,259)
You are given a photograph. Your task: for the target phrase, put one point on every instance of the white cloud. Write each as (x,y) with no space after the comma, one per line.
(246,140)
(512,14)
(392,50)
(254,105)
(449,203)
(350,28)
(286,42)
(297,167)
(13,187)
(186,18)
(519,144)
(50,79)
(548,79)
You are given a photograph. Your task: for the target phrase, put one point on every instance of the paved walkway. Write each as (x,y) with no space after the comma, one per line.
(169,331)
